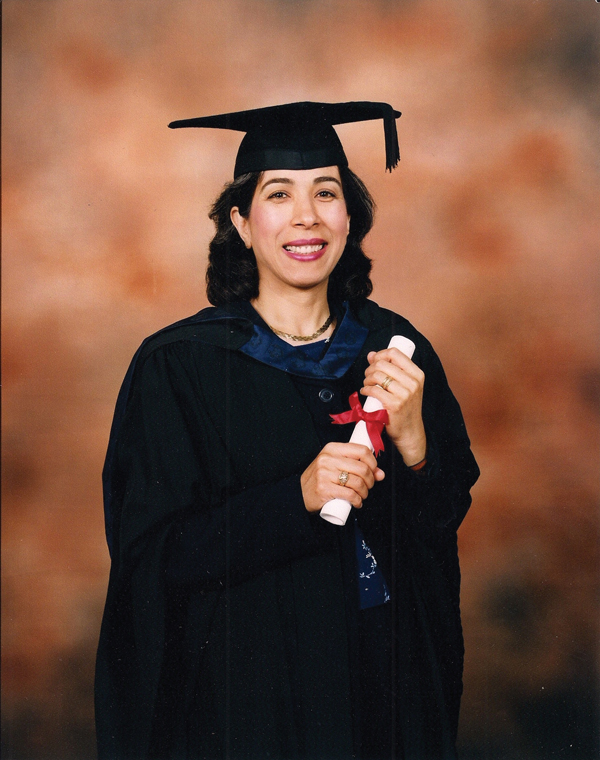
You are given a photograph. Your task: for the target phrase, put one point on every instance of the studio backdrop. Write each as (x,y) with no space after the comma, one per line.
(486,239)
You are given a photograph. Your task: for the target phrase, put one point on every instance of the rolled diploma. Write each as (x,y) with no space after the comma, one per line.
(336,511)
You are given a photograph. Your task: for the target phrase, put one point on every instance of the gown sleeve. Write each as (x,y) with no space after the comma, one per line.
(166,493)
(430,504)
(441,491)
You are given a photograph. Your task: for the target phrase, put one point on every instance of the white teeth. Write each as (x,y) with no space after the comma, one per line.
(304,248)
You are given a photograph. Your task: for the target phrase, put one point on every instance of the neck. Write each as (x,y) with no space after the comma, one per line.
(299,313)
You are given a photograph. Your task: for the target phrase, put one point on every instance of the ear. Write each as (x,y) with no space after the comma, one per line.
(348,227)
(241,224)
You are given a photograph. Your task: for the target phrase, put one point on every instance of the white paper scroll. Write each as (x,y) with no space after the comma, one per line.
(336,511)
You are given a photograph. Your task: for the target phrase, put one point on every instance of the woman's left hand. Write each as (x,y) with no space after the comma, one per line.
(402,396)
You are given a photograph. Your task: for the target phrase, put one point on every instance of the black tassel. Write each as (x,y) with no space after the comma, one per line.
(392,149)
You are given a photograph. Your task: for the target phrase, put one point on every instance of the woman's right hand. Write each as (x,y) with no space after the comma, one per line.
(320,481)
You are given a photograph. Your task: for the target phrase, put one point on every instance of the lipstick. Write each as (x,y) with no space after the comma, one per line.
(306,249)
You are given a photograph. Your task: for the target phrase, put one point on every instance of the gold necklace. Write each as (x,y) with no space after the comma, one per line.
(320,331)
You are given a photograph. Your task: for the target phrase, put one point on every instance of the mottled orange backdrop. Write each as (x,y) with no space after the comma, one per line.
(486,239)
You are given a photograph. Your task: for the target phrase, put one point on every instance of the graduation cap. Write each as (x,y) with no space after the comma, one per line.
(298,135)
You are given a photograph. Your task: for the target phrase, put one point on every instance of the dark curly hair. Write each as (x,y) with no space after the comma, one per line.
(232,274)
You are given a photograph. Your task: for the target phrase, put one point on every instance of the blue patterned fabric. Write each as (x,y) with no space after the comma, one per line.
(371,583)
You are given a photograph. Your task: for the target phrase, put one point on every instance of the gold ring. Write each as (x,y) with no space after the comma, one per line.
(343,477)
(386,383)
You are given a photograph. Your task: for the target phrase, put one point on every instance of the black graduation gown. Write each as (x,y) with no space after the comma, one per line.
(245,643)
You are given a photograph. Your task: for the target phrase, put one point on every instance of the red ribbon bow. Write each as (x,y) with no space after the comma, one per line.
(375,421)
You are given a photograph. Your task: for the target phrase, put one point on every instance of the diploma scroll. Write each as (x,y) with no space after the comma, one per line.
(336,511)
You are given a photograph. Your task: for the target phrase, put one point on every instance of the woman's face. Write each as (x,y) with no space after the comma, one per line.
(297,227)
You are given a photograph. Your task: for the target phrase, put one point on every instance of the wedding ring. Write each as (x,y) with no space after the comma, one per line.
(386,383)
(343,477)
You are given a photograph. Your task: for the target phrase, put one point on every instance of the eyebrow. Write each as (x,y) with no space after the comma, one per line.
(288,181)
(318,180)
(277,181)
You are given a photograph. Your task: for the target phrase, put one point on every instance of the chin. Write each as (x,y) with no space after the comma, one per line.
(309,283)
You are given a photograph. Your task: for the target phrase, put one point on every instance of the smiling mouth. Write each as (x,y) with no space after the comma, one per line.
(305,249)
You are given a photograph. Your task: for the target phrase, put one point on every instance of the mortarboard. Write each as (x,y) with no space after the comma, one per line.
(298,135)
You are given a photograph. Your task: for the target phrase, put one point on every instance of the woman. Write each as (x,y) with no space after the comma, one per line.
(238,622)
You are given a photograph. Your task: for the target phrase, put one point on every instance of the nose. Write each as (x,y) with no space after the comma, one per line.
(305,213)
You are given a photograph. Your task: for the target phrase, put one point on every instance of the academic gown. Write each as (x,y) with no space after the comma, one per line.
(246,642)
